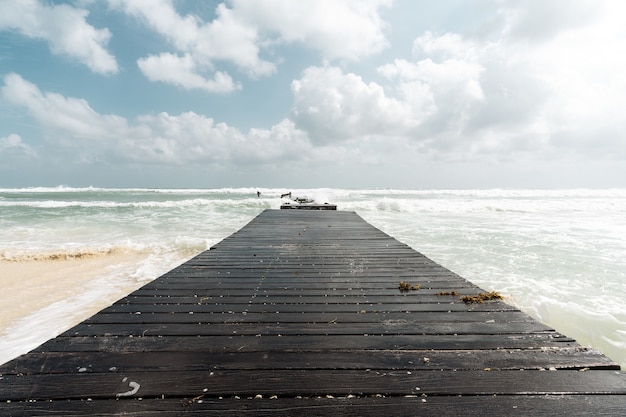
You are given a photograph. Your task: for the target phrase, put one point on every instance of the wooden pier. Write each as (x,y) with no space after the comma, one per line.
(300,313)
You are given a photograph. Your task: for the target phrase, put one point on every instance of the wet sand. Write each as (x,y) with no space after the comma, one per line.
(42,298)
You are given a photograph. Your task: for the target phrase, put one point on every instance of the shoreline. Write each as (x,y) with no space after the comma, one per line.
(43,298)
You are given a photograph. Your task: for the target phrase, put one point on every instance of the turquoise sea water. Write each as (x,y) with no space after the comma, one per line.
(556,254)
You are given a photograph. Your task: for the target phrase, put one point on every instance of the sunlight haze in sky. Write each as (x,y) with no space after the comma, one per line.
(313,93)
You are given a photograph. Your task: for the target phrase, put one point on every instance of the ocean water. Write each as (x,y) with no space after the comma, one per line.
(559,255)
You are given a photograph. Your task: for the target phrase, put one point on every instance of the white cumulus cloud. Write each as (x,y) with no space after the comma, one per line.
(183,72)
(13,145)
(338,29)
(71,124)
(64,28)
(72,116)
(198,45)
(240,34)
(333,106)
(508,94)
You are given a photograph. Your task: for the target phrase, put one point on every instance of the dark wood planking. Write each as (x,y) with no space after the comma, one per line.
(321,406)
(305,305)
(192,328)
(351,317)
(292,383)
(355,297)
(270,307)
(511,359)
(248,343)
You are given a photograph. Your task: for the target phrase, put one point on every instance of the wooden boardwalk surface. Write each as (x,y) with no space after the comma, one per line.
(300,313)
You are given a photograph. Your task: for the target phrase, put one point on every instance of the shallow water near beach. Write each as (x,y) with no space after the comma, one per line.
(66,253)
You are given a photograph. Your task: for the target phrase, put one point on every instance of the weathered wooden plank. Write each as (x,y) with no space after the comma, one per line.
(354,297)
(369,279)
(575,358)
(190,327)
(247,343)
(291,383)
(224,290)
(265,307)
(352,317)
(321,406)
(314,280)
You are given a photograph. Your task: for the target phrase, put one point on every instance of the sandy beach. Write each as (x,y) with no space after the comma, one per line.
(59,293)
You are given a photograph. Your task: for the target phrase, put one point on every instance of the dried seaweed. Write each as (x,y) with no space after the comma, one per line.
(405,287)
(453,293)
(481,297)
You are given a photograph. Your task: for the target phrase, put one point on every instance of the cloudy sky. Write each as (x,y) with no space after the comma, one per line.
(313,93)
